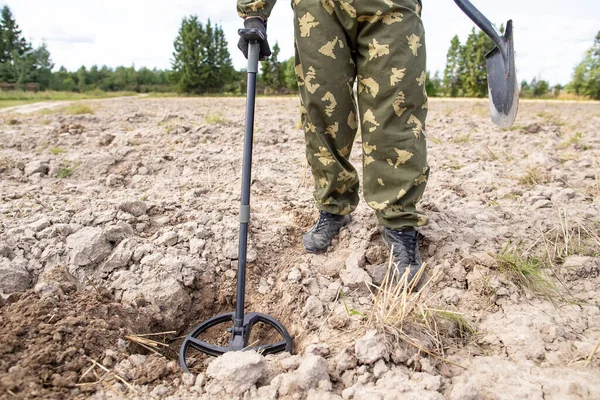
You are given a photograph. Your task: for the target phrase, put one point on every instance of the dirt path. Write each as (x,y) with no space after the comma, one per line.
(124,222)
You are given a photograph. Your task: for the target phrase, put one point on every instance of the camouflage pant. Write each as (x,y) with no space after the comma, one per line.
(380,43)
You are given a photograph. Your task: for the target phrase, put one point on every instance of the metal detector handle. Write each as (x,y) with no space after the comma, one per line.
(251,35)
(483,23)
(255,38)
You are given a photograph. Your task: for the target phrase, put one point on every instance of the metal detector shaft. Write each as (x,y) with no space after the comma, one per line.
(253,55)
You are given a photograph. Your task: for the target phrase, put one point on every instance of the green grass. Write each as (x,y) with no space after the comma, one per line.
(192,95)
(574,139)
(19,98)
(77,109)
(527,272)
(161,95)
(460,325)
(49,95)
(65,172)
(214,119)
(14,103)
(455,165)
(57,150)
(462,139)
(515,128)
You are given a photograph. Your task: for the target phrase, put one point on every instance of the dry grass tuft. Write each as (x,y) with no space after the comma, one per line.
(569,238)
(466,138)
(533,176)
(402,310)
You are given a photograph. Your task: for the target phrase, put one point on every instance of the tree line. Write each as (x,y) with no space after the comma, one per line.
(201,64)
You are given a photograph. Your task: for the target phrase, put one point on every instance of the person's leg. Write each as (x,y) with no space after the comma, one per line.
(393,108)
(391,70)
(326,73)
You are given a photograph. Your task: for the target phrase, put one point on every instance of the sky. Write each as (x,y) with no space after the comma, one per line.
(550,36)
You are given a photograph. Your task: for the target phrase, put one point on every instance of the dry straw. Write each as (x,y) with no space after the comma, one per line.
(104,379)
(149,344)
(401,308)
(588,361)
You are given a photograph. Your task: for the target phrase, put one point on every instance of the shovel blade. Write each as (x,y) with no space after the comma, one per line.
(502,81)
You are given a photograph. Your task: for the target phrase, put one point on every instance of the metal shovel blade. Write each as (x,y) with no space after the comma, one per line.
(502,81)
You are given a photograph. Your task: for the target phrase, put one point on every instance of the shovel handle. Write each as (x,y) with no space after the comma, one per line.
(482,22)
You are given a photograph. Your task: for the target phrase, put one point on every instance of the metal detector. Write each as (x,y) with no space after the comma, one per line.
(242,323)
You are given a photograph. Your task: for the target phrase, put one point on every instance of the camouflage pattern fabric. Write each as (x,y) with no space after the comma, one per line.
(381,45)
(254,8)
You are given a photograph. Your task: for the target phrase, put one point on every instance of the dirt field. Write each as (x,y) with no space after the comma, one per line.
(120,218)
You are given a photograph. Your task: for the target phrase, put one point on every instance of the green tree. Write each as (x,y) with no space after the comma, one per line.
(557,89)
(42,66)
(526,90)
(56,83)
(433,86)
(540,87)
(270,69)
(586,76)
(16,61)
(201,62)
(222,65)
(474,77)
(82,78)
(453,71)
(288,71)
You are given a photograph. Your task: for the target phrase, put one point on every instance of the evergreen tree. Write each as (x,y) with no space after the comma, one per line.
(16,61)
(452,73)
(11,39)
(271,71)
(42,66)
(188,56)
(225,73)
(474,76)
(201,60)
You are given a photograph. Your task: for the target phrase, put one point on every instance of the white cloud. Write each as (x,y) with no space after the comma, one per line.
(550,37)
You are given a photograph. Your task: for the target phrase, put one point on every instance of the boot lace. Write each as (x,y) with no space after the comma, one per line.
(324,219)
(409,245)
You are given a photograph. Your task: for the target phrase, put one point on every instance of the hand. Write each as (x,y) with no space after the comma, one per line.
(256,23)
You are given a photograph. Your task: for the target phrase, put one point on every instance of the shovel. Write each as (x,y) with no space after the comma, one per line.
(502,79)
(242,323)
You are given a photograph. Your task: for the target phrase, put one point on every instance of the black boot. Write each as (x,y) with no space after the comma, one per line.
(405,244)
(319,237)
